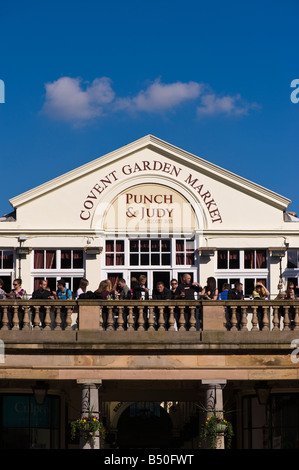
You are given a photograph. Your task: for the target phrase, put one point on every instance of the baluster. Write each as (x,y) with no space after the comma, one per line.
(244,318)
(296,319)
(286,318)
(265,318)
(5,324)
(141,318)
(192,319)
(34,317)
(182,325)
(171,319)
(15,318)
(58,320)
(275,318)
(47,319)
(26,320)
(130,319)
(160,322)
(151,319)
(120,320)
(110,319)
(234,318)
(68,323)
(101,321)
(254,319)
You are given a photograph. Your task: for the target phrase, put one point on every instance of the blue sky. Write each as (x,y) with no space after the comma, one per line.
(83,78)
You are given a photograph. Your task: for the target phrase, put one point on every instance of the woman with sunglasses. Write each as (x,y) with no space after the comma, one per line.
(20,294)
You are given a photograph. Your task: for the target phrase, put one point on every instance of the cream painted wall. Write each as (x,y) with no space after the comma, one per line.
(223,206)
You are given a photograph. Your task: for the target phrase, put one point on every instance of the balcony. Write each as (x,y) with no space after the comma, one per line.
(150,320)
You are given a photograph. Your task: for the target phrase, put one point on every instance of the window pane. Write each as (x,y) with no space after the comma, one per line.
(77,259)
(119,246)
(52,283)
(144,245)
(155,259)
(222,259)
(165,245)
(134,245)
(261,259)
(165,259)
(144,259)
(133,259)
(110,245)
(234,259)
(155,245)
(179,244)
(109,259)
(189,258)
(7,259)
(119,258)
(249,287)
(190,245)
(66,260)
(180,258)
(249,259)
(292,259)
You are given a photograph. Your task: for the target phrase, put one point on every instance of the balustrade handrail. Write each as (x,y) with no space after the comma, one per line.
(171,315)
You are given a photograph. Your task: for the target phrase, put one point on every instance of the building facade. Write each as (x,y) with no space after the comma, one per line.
(148,208)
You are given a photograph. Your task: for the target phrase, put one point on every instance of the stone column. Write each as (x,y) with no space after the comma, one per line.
(214,402)
(90,402)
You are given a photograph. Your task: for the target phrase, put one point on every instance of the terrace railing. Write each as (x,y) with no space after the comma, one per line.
(131,315)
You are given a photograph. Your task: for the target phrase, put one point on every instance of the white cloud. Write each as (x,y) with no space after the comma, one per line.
(66,99)
(159,97)
(71,100)
(230,105)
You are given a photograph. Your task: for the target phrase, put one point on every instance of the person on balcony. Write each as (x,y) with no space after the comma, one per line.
(210,291)
(173,288)
(235,293)
(288,294)
(63,293)
(161,293)
(260,293)
(20,294)
(224,292)
(105,292)
(41,293)
(82,288)
(186,291)
(140,291)
(123,293)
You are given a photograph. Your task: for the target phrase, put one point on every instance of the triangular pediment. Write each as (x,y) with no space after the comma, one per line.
(160,147)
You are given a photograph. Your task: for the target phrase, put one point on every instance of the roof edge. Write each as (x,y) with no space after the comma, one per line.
(150,140)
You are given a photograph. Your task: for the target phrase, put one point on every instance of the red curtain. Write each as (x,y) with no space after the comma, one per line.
(261,259)
(38,259)
(50,259)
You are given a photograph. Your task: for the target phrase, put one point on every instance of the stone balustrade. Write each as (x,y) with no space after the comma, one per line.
(131,315)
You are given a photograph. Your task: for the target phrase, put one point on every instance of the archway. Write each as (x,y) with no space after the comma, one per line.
(144,425)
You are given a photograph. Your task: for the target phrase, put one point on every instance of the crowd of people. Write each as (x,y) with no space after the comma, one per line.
(186,289)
